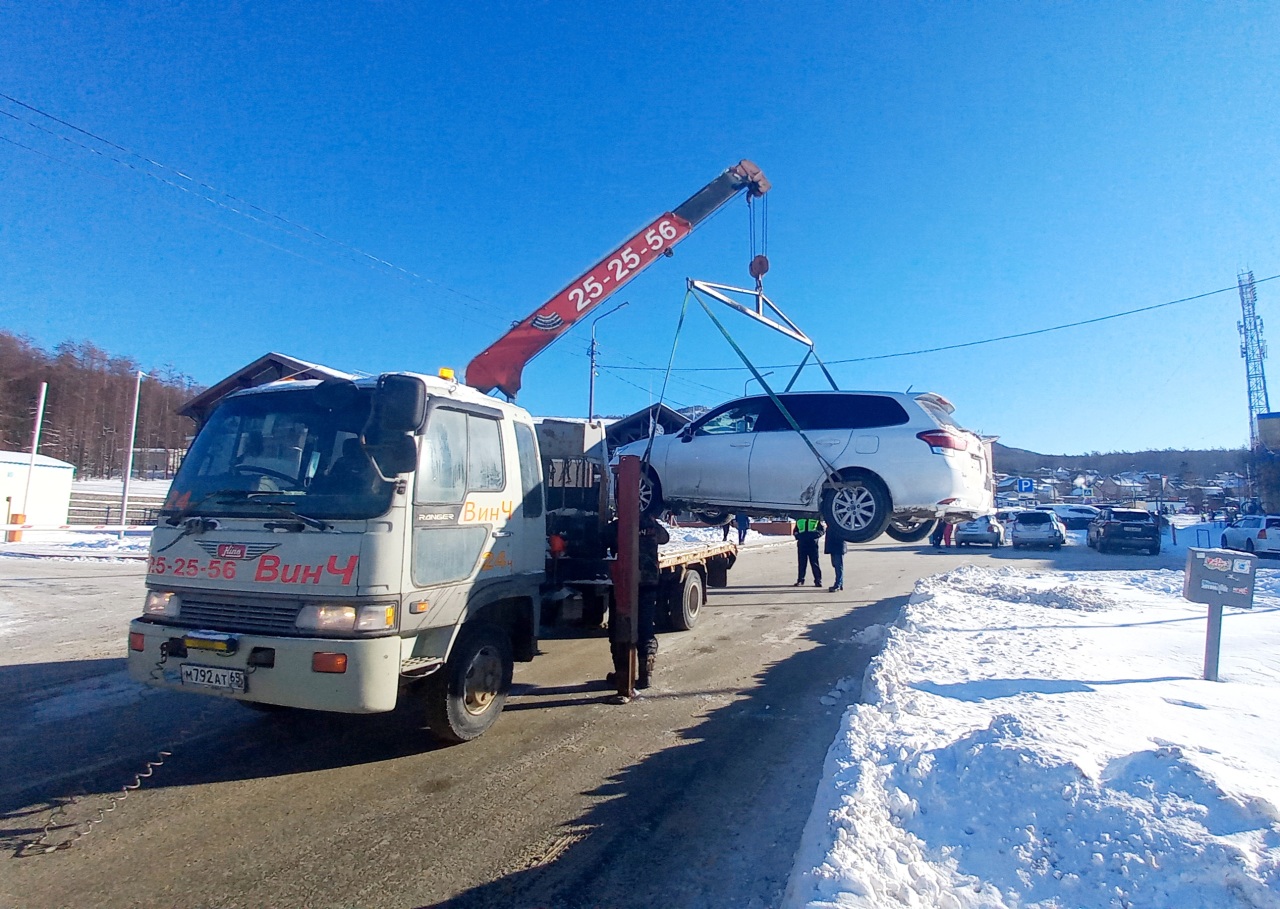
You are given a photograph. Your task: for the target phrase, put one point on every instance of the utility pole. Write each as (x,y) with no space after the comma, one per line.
(35,445)
(128,456)
(591,352)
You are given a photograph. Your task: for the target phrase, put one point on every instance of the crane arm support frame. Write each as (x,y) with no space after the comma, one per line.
(501,364)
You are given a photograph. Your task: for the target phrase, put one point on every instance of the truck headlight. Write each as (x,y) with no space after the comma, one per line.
(162,602)
(339,618)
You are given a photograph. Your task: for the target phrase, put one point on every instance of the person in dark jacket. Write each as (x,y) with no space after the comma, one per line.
(935,536)
(652,535)
(743,523)
(834,547)
(807,533)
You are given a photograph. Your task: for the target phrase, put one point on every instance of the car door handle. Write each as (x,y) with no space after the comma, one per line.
(828,441)
(739,444)
(499,534)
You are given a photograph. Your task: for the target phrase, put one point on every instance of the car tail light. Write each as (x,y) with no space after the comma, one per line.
(938,439)
(1262,534)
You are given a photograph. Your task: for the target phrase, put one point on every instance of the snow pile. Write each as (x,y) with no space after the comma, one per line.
(716,535)
(1047,740)
(74,544)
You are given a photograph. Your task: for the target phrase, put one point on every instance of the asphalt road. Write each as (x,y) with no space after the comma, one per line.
(693,795)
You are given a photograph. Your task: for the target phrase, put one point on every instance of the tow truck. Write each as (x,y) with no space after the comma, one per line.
(332,544)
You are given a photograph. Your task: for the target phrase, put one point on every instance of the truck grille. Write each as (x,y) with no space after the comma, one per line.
(270,617)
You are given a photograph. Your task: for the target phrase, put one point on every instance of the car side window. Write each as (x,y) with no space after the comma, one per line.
(814,412)
(739,417)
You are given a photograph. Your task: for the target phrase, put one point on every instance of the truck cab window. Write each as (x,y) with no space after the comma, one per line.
(485,471)
(442,459)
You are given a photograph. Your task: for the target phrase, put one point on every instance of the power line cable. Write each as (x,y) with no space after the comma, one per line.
(476,303)
(992,340)
(377,260)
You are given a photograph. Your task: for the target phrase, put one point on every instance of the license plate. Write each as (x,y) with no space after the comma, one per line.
(1133,530)
(213,677)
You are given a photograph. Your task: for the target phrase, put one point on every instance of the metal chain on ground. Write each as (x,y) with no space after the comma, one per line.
(40,845)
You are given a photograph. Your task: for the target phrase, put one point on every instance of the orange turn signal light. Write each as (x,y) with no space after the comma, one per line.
(328,662)
(137,641)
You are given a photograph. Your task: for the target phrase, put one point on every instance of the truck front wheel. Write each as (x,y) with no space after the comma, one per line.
(466,695)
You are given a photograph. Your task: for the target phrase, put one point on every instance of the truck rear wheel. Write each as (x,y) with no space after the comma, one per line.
(466,695)
(684,611)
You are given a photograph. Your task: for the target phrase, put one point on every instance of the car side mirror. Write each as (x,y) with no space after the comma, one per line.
(686,433)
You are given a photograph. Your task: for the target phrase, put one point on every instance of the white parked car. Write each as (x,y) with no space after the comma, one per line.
(1253,533)
(1037,528)
(862,460)
(986,530)
(1074,517)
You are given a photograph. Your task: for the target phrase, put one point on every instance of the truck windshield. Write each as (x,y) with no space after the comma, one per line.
(274,454)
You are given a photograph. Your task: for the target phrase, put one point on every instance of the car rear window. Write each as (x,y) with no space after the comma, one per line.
(1034,517)
(836,411)
(940,416)
(1128,515)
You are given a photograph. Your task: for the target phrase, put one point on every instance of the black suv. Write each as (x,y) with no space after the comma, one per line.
(1124,528)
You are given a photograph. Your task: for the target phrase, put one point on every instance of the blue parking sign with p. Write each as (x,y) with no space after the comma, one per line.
(1025,485)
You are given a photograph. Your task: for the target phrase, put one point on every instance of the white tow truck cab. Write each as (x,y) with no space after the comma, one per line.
(326,543)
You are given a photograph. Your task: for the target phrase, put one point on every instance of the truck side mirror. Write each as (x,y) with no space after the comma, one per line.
(399,409)
(399,405)
(393,455)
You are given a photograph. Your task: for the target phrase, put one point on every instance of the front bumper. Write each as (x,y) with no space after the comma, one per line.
(370,683)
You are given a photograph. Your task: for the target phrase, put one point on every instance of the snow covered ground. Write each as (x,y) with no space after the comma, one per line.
(1046,739)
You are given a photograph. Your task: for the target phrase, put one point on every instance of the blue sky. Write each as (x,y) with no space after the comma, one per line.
(942,173)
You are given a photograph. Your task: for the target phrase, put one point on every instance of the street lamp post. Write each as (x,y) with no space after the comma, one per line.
(752,379)
(128,456)
(591,387)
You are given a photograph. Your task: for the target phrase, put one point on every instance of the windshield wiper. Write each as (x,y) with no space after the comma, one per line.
(303,518)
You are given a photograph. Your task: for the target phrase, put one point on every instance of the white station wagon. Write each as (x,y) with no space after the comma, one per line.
(866,461)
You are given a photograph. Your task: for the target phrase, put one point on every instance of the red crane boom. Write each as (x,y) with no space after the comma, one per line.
(501,364)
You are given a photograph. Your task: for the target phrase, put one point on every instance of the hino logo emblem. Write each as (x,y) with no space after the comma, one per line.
(240,551)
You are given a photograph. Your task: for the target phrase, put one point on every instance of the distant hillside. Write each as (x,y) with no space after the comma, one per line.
(1174,464)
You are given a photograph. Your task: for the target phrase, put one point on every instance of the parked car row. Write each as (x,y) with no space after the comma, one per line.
(1107,529)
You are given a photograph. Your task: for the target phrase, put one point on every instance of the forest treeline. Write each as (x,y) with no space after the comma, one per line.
(1187,465)
(89,406)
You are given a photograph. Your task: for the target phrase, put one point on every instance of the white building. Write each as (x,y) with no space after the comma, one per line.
(50,487)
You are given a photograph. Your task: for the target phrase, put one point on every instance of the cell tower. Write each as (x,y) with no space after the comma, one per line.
(1254,351)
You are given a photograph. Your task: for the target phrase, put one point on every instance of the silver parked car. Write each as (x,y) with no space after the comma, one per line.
(986,530)
(861,460)
(1037,528)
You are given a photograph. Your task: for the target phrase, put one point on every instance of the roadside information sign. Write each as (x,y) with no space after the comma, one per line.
(1218,578)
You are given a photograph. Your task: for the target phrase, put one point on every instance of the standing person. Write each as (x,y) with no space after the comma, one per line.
(807,532)
(652,535)
(947,531)
(743,522)
(935,536)
(835,547)
(725,527)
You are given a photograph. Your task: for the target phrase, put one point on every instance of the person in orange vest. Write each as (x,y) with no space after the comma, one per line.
(807,533)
